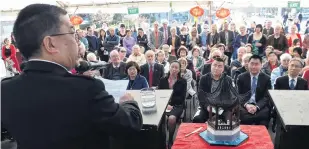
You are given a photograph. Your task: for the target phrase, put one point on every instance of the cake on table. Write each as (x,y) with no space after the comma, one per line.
(223,125)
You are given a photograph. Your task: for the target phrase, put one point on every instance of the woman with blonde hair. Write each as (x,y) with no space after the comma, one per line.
(137,56)
(293,35)
(212,39)
(193,39)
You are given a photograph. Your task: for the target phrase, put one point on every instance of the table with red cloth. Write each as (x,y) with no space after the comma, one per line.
(258,138)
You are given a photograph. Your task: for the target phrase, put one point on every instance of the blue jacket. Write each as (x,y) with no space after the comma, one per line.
(139,83)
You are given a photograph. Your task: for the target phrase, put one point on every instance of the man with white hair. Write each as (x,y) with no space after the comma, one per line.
(91,57)
(278,41)
(115,70)
(152,71)
(165,29)
(156,37)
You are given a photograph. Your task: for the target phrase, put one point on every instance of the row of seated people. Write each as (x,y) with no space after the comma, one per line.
(259,103)
(257,107)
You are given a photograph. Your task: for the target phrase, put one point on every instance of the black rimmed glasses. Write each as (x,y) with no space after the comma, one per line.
(61,34)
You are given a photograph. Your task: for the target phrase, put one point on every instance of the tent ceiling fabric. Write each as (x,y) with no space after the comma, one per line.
(120,6)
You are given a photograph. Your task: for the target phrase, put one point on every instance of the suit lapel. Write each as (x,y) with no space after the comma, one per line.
(147,71)
(286,82)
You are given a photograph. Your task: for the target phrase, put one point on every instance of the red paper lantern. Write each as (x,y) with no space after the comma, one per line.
(196,11)
(223,13)
(76,20)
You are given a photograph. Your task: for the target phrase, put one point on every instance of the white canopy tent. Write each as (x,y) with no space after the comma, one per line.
(145,6)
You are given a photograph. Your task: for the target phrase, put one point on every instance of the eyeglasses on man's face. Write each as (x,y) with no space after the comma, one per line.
(61,34)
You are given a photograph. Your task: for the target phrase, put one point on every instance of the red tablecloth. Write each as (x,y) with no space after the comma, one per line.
(258,138)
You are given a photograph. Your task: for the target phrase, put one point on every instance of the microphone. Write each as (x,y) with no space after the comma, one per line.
(85,66)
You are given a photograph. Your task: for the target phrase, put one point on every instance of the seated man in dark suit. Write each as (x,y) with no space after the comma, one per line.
(152,71)
(209,83)
(116,69)
(292,81)
(255,84)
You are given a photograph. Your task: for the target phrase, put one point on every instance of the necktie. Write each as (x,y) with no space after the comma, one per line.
(292,86)
(157,40)
(166,35)
(150,75)
(253,85)
(226,38)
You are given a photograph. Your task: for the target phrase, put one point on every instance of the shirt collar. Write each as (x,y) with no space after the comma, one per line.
(256,76)
(50,62)
(116,66)
(290,78)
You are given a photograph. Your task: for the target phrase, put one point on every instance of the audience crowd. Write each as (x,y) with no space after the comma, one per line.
(186,61)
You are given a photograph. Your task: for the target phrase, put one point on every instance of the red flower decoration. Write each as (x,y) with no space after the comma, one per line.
(197,11)
(76,20)
(223,13)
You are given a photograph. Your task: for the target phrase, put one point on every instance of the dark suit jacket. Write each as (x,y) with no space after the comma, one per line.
(205,85)
(171,58)
(263,85)
(158,73)
(108,72)
(271,31)
(230,40)
(177,42)
(282,44)
(282,83)
(61,110)
(179,90)
(215,39)
(207,68)
(142,41)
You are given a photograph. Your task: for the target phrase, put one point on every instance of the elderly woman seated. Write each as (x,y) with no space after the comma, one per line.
(161,60)
(167,50)
(136,81)
(91,57)
(187,75)
(137,56)
(282,70)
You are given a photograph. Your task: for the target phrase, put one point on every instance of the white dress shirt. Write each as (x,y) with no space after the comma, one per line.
(295,81)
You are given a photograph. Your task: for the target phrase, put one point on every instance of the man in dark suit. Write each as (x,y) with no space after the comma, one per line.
(255,108)
(47,107)
(152,71)
(227,38)
(166,30)
(116,69)
(292,81)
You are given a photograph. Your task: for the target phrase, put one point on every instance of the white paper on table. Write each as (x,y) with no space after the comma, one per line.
(116,88)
